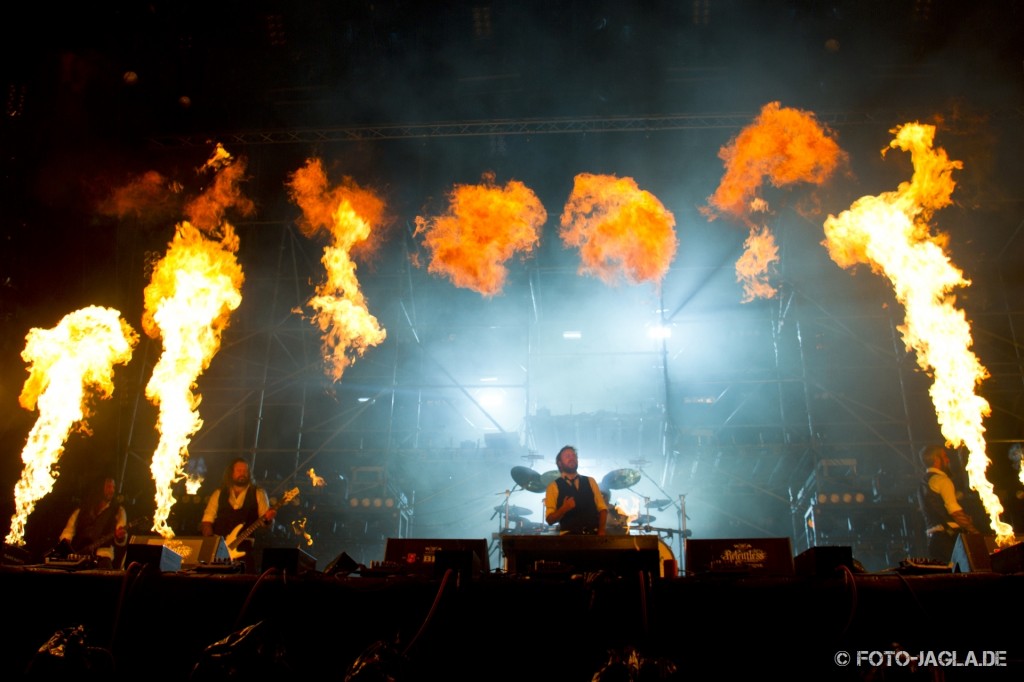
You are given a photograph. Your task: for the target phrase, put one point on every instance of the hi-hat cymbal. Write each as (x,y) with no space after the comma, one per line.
(621,478)
(643,520)
(513,510)
(528,479)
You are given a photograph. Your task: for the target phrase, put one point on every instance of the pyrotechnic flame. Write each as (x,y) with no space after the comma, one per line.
(784,146)
(348,213)
(759,252)
(193,483)
(142,197)
(69,365)
(317,481)
(485,226)
(890,233)
(630,508)
(190,297)
(299,528)
(619,229)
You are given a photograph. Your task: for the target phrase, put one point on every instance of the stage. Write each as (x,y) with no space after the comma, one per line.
(495,626)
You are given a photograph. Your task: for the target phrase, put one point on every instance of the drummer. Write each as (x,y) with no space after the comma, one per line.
(574,501)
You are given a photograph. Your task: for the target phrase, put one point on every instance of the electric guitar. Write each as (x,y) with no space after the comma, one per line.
(238,535)
(90,549)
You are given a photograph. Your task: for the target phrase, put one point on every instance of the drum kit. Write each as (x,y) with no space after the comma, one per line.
(514,521)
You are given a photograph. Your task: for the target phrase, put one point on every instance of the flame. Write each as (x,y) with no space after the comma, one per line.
(191,294)
(619,228)
(207,210)
(149,194)
(192,484)
(484,227)
(317,481)
(349,214)
(630,508)
(69,365)
(784,145)
(759,252)
(890,233)
(299,528)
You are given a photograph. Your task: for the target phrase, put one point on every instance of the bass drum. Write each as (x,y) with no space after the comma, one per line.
(668,568)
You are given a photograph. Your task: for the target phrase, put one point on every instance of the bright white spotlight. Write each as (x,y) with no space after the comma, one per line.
(491,398)
(659,331)
(572,335)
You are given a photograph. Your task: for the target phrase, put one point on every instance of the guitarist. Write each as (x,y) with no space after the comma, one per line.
(237,502)
(98,526)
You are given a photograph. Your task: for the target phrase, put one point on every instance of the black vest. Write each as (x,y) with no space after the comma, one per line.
(89,529)
(228,519)
(583,519)
(932,506)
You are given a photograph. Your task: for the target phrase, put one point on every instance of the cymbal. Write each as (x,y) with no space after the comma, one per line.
(528,479)
(621,478)
(643,520)
(660,504)
(548,476)
(513,510)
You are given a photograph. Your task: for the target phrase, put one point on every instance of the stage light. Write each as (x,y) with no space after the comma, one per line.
(659,331)
(572,335)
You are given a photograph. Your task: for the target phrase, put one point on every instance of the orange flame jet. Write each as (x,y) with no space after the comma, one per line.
(759,252)
(348,213)
(188,301)
(890,233)
(484,227)
(620,229)
(70,364)
(784,146)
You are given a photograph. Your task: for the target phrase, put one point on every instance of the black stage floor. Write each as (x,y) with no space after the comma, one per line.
(311,626)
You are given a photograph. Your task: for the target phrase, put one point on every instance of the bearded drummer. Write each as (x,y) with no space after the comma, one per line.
(574,501)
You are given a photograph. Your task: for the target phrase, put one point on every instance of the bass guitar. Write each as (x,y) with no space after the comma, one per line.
(239,535)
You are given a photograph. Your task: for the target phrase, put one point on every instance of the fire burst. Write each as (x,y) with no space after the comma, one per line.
(485,226)
(619,229)
(759,252)
(349,214)
(890,233)
(70,364)
(784,146)
(190,296)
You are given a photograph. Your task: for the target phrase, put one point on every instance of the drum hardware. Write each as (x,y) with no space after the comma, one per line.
(513,511)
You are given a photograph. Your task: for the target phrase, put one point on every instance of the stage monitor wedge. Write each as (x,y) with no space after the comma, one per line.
(433,556)
(194,550)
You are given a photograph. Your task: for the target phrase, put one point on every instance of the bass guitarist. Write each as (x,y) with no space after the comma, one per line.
(237,503)
(98,527)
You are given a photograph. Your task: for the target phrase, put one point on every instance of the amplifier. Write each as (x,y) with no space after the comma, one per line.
(740,557)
